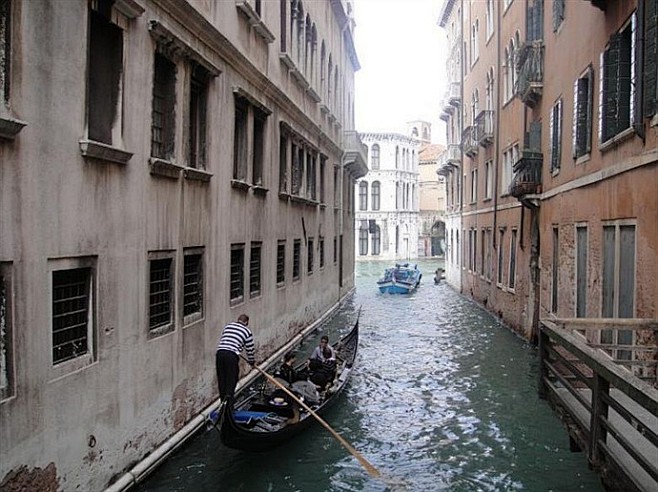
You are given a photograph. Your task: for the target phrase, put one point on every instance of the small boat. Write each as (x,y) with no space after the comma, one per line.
(403,278)
(261,421)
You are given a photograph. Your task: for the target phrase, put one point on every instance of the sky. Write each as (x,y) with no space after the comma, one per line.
(402,78)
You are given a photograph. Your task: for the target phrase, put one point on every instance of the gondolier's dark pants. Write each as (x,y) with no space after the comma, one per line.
(226,363)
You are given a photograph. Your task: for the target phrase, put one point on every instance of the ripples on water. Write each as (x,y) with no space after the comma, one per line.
(443,398)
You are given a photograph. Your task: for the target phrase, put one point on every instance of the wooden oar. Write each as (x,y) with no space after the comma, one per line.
(366,464)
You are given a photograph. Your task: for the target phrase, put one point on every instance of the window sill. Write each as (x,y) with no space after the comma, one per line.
(583,158)
(284,196)
(197,174)
(104,152)
(255,20)
(617,139)
(324,108)
(236,301)
(10,127)
(654,121)
(194,319)
(260,190)
(164,168)
(323,206)
(555,172)
(487,199)
(313,95)
(240,185)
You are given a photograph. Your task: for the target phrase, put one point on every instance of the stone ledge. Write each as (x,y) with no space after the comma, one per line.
(164,168)
(104,152)
(10,127)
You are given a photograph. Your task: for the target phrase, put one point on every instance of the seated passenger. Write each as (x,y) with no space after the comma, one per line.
(287,370)
(324,351)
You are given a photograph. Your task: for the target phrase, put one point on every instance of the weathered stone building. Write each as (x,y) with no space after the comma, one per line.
(165,165)
(556,177)
(386,225)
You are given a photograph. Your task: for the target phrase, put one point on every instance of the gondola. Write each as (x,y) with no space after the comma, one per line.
(261,421)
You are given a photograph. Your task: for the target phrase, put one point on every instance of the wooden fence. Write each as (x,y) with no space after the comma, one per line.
(606,393)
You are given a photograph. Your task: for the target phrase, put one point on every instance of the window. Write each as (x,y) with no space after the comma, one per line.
(397,157)
(475,50)
(374,158)
(474,185)
(376,241)
(236,287)
(6,333)
(488,179)
(483,249)
(199,79)
(5,49)
(335,250)
(618,283)
(250,124)
(650,58)
(582,114)
(309,252)
(617,84)
(363,241)
(581,271)
(488,263)
(281,262)
(323,171)
(298,155)
(296,258)
(161,273)
(363,195)
(511,278)
(311,175)
(555,268)
(501,261)
(71,313)
(164,105)
(507,171)
(558,13)
(240,140)
(193,283)
(556,136)
(376,194)
(104,76)
(321,251)
(283,162)
(254,269)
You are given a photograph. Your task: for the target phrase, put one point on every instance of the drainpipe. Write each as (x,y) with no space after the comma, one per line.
(497,132)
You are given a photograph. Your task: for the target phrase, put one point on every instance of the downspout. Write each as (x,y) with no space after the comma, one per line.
(497,133)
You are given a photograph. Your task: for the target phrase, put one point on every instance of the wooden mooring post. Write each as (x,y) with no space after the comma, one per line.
(606,394)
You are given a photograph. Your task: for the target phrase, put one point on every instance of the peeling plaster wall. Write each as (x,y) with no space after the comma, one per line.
(77,425)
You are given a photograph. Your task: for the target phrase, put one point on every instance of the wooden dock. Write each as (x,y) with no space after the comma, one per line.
(606,394)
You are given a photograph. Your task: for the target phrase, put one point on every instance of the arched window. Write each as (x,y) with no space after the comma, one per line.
(376,193)
(374,157)
(490,89)
(376,241)
(363,195)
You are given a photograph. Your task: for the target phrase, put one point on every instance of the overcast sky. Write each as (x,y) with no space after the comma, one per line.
(402,78)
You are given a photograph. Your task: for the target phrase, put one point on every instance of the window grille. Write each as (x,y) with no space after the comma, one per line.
(237,273)
(255,269)
(160,293)
(70,313)
(193,284)
(296,258)
(281,262)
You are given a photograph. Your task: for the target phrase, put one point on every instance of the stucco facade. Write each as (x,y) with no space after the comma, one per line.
(387,199)
(164,166)
(557,158)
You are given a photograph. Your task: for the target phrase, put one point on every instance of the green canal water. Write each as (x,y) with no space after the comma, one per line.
(443,398)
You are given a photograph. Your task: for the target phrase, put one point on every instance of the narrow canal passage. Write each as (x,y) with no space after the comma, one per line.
(443,398)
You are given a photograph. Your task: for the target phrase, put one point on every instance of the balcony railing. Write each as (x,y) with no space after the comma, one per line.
(530,63)
(483,129)
(450,159)
(469,145)
(527,174)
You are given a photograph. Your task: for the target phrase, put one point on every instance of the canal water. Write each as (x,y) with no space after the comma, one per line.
(443,397)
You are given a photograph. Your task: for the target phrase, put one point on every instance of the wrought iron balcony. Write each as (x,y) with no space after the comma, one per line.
(483,128)
(469,145)
(530,64)
(527,174)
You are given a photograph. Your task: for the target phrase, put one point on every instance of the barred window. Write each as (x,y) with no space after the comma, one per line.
(309,263)
(281,262)
(71,313)
(255,269)
(163,109)
(160,293)
(236,288)
(321,251)
(296,258)
(582,114)
(193,284)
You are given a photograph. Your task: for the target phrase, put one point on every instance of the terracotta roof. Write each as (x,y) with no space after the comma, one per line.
(430,152)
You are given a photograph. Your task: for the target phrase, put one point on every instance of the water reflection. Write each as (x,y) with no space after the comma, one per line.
(443,398)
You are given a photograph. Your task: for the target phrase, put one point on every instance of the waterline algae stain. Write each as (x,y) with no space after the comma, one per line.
(443,398)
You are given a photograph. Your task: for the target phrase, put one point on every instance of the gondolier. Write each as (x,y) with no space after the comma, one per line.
(235,337)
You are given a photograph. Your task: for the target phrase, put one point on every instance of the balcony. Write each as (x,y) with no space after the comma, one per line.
(527,174)
(530,64)
(469,146)
(483,128)
(355,158)
(454,94)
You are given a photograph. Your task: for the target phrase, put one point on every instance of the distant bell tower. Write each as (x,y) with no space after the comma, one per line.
(422,130)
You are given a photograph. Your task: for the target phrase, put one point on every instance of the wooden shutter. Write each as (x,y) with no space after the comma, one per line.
(610,75)
(650,57)
(574,124)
